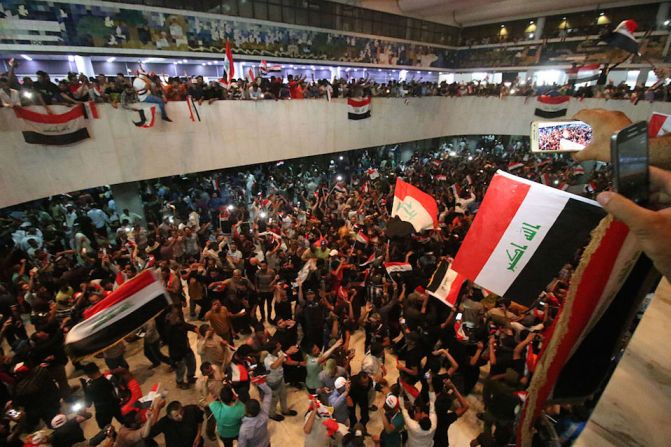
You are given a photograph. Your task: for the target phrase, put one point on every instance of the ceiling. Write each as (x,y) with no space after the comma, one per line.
(476,12)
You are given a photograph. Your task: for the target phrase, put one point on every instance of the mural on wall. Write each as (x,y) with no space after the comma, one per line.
(587,51)
(101,25)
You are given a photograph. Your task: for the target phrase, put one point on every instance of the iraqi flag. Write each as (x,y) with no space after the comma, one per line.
(523,234)
(66,126)
(358,109)
(515,165)
(440,178)
(147,117)
(265,68)
(397,267)
(623,37)
(122,312)
(445,284)
(228,63)
(583,73)
(361,238)
(373,173)
(414,206)
(659,125)
(549,106)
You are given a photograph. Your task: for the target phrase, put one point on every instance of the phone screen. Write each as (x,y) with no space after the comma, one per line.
(560,136)
(629,153)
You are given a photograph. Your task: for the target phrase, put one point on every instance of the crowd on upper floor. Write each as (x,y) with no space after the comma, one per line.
(77,88)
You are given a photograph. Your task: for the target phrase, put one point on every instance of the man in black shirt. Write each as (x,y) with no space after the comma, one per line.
(100,392)
(67,431)
(360,387)
(181,425)
(47,89)
(446,393)
(179,349)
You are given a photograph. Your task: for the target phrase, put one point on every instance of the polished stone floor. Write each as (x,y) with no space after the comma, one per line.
(633,410)
(289,431)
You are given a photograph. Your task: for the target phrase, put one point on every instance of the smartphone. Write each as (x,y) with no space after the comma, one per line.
(630,159)
(458,317)
(560,136)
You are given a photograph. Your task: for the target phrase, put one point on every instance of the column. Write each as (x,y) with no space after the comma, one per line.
(84,65)
(127,196)
(642,76)
(662,15)
(540,25)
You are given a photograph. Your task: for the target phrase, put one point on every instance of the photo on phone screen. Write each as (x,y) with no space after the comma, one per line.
(560,136)
(629,155)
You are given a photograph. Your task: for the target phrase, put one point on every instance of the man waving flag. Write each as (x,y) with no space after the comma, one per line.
(414,206)
(523,234)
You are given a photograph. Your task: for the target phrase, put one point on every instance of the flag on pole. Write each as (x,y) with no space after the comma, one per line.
(414,206)
(62,127)
(122,312)
(264,68)
(372,258)
(358,109)
(659,125)
(523,234)
(577,75)
(445,284)
(228,63)
(552,106)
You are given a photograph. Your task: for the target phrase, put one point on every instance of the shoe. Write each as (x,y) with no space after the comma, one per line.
(182,386)
(372,408)
(192,380)
(165,118)
(277,417)
(290,413)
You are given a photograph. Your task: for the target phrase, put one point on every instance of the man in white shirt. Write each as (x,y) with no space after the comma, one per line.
(275,380)
(132,218)
(422,427)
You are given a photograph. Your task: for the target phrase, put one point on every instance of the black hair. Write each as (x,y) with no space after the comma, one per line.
(425,423)
(252,407)
(90,368)
(175,405)
(205,366)
(226,395)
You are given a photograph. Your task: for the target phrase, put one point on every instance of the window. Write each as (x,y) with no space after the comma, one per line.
(260,9)
(245,8)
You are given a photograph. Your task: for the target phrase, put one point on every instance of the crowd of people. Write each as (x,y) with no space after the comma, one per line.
(122,89)
(264,266)
(564,136)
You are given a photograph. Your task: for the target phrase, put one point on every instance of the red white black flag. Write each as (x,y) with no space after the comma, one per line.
(123,311)
(522,235)
(445,284)
(659,125)
(552,106)
(67,126)
(414,206)
(358,109)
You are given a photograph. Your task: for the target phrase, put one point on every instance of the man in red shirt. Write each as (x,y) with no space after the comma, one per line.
(295,89)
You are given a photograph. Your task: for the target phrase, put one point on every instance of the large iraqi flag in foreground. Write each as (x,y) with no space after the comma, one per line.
(135,302)
(522,235)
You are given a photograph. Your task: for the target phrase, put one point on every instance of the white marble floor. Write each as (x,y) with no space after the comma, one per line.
(290,431)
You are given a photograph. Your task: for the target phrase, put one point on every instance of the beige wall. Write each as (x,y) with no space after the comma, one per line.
(238,133)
